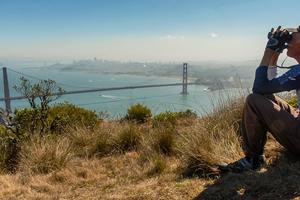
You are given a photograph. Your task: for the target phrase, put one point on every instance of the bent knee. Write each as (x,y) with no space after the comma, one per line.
(255,98)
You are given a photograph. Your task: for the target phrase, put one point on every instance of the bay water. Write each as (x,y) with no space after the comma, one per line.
(115,103)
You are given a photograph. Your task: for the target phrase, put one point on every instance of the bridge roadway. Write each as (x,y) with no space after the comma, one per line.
(104,89)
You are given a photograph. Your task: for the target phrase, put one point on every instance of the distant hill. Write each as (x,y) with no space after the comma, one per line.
(206,73)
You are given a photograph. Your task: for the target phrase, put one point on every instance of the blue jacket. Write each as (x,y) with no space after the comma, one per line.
(286,82)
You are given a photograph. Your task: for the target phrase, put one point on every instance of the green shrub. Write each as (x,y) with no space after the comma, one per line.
(129,138)
(64,115)
(170,118)
(61,116)
(9,148)
(26,120)
(138,113)
(165,118)
(39,95)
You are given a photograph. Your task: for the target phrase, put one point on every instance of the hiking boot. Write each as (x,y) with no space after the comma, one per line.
(244,164)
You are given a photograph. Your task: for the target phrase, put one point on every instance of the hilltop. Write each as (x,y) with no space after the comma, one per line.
(172,155)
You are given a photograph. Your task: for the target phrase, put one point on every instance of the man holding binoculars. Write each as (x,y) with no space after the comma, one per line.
(264,111)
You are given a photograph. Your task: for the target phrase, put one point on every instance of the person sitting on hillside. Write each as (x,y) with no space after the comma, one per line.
(263,111)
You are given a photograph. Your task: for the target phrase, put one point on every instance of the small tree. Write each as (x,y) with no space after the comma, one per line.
(45,91)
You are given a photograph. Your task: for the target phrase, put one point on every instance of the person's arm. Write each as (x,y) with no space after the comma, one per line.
(286,82)
(272,68)
(269,57)
(274,59)
(263,84)
(265,72)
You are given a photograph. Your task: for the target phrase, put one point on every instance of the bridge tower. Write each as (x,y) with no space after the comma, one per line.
(184,79)
(6,90)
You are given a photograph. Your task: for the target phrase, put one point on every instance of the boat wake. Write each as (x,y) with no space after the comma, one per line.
(112,97)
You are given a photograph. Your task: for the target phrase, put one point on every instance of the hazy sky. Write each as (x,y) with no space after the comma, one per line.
(141,30)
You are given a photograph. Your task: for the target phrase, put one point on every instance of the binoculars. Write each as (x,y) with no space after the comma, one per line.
(289,37)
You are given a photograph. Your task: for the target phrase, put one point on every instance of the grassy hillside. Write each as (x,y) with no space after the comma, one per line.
(168,156)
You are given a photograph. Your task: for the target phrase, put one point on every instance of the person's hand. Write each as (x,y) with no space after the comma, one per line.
(278,39)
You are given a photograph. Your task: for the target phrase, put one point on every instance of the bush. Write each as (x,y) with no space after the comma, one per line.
(138,113)
(170,118)
(165,118)
(26,120)
(9,148)
(64,115)
(39,96)
(61,116)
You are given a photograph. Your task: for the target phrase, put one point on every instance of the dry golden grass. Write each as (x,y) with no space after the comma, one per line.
(123,160)
(122,176)
(44,154)
(114,177)
(202,149)
(212,139)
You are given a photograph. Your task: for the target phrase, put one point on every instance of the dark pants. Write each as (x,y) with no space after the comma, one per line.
(264,113)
